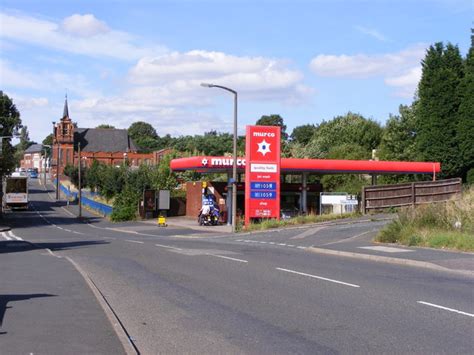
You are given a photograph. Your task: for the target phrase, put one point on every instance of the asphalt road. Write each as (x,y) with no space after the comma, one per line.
(176,291)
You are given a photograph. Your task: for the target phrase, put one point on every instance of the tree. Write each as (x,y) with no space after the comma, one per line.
(273,120)
(303,134)
(48,141)
(10,121)
(437,119)
(398,139)
(465,128)
(105,126)
(142,129)
(144,135)
(349,129)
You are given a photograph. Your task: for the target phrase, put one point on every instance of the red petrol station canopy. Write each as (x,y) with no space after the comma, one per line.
(208,164)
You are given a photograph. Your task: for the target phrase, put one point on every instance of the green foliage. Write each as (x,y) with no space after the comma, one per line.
(465,125)
(105,126)
(349,129)
(437,118)
(303,134)
(10,120)
(48,141)
(470,176)
(73,174)
(126,205)
(439,225)
(273,120)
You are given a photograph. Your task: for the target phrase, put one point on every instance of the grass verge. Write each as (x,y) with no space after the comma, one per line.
(299,220)
(444,225)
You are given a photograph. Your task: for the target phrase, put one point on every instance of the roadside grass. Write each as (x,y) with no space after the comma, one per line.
(295,221)
(444,225)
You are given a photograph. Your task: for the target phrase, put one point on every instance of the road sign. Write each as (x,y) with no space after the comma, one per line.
(262,172)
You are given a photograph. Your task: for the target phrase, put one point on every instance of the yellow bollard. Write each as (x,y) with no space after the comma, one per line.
(162,221)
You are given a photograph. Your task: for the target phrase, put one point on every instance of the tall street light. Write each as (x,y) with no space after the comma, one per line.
(45,160)
(57,160)
(234,154)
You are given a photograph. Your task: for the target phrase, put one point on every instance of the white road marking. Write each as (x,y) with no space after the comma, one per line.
(228,258)
(299,247)
(446,308)
(10,233)
(387,249)
(351,238)
(133,241)
(317,277)
(167,246)
(4,235)
(282,244)
(68,212)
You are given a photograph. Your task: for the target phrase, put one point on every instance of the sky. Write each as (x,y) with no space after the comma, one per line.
(308,61)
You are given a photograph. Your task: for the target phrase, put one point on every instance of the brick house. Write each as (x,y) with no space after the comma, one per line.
(108,146)
(33,158)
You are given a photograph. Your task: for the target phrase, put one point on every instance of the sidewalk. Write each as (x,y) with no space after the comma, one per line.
(46,306)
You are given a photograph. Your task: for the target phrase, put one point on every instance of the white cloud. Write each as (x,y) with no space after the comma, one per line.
(79,34)
(12,76)
(84,25)
(400,69)
(406,82)
(372,33)
(255,77)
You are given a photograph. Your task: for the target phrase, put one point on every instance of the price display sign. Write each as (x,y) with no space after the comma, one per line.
(262,172)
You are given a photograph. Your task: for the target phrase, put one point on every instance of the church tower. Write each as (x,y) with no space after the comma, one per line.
(64,140)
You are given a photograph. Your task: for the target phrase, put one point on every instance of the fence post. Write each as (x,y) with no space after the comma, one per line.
(363,200)
(413,196)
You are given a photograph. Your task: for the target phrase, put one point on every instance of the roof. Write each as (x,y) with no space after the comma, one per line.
(35,148)
(207,164)
(103,140)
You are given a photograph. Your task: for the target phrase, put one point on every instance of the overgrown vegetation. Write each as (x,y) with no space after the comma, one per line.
(312,218)
(447,225)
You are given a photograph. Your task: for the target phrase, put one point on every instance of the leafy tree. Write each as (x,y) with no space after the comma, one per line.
(398,139)
(142,129)
(10,121)
(350,183)
(273,120)
(144,135)
(105,126)
(303,134)
(465,128)
(48,141)
(437,119)
(349,129)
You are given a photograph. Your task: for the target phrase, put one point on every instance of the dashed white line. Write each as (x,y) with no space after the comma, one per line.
(4,235)
(446,308)
(317,277)
(167,247)
(10,233)
(228,258)
(133,241)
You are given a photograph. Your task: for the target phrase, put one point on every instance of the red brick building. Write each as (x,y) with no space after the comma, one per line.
(108,146)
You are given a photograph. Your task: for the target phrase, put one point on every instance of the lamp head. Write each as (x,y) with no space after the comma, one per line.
(207,85)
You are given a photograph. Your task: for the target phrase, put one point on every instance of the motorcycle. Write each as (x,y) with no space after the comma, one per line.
(209,219)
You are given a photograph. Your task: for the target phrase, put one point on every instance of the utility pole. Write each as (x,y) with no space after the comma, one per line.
(80,182)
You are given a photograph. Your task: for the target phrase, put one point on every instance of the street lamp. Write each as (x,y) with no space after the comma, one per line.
(80,182)
(57,161)
(234,153)
(44,168)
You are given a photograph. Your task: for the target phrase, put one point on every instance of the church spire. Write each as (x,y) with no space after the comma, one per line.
(66,110)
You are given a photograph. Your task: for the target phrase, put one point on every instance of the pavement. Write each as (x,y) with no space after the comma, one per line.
(47,307)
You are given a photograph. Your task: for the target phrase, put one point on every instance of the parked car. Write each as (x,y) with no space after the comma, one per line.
(33,174)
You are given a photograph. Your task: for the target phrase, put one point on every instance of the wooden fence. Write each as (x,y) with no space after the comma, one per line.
(381,197)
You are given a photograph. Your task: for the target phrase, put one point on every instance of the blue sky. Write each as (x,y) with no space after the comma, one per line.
(123,61)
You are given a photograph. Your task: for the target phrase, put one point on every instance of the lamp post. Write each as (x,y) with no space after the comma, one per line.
(234,153)
(44,168)
(80,182)
(57,161)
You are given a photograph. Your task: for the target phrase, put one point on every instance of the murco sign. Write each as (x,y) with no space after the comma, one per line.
(262,172)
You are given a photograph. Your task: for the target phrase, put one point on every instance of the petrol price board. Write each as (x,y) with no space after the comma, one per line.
(262,172)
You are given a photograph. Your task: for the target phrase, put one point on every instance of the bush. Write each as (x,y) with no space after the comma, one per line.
(126,205)
(470,177)
(439,225)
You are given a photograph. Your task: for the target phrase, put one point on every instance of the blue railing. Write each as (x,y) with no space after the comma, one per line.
(101,208)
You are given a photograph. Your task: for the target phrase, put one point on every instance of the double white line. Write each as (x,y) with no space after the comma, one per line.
(10,236)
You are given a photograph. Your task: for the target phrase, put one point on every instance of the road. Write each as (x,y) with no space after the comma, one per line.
(176,291)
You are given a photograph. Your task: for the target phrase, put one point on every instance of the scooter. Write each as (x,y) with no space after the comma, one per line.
(210,219)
